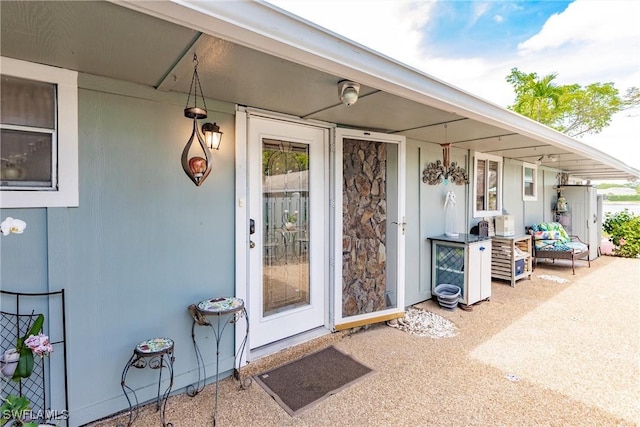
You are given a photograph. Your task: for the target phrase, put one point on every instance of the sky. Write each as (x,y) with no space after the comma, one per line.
(473,45)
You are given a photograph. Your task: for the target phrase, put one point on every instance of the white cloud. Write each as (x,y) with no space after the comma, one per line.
(587,21)
(479,9)
(392,28)
(591,41)
(621,138)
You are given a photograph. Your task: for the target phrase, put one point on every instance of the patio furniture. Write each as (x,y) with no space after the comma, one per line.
(226,310)
(551,241)
(155,353)
(511,258)
(302,239)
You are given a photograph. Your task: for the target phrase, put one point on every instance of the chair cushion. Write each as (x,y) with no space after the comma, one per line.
(551,236)
(577,247)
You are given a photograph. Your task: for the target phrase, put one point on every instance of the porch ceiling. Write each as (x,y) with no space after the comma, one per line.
(109,40)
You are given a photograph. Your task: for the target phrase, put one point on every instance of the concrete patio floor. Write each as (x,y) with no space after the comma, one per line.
(557,350)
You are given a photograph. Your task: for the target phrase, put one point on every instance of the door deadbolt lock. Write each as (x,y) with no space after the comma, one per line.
(252,244)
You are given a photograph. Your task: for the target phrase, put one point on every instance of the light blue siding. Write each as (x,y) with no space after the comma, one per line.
(143,244)
(425,215)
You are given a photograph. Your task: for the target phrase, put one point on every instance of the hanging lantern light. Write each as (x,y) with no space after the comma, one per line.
(196,156)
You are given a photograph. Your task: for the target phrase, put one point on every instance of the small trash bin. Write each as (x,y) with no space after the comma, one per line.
(448,295)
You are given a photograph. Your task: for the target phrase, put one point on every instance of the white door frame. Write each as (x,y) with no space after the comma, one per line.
(338,322)
(242,237)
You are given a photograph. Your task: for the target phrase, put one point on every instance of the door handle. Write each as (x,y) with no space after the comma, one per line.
(403,224)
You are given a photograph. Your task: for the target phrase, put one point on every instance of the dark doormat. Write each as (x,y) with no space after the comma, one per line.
(302,383)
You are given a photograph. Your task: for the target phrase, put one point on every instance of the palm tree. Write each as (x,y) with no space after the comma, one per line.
(536,95)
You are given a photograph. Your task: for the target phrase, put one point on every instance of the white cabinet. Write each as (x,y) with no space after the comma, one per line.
(464,261)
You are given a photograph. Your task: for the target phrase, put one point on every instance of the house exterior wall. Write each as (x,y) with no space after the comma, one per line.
(143,244)
(527,213)
(512,202)
(425,215)
(425,208)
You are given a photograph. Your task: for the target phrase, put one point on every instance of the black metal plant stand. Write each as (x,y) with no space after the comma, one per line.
(156,353)
(226,311)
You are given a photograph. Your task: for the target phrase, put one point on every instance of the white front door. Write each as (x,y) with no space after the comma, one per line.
(288,251)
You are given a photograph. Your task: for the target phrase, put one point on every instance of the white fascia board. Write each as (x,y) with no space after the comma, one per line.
(272,30)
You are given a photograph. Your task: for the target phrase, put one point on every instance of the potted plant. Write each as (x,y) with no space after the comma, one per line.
(9,362)
(290,219)
(10,358)
(33,342)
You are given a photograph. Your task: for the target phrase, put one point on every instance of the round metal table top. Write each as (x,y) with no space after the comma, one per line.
(218,306)
(154,346)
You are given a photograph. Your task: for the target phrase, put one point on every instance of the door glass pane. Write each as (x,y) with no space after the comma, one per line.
(450,266)
(285,201)
(370,230)
(492,186)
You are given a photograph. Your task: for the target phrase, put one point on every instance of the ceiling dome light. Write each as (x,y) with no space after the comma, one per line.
(348,92)
(548,158)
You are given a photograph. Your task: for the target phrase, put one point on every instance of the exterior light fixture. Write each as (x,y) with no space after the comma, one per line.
(348,92)
(547,158)
(196,157)
(212,136)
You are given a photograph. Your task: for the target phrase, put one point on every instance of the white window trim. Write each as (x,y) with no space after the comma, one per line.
(526,197)
(67,162)
(483,156)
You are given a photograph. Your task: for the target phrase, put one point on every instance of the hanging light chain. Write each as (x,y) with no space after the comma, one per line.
(192,88)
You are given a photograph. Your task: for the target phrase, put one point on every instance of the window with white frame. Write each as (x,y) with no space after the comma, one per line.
(39,135)
(529,182)
(487,185)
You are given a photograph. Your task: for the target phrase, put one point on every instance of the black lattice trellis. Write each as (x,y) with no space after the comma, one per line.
(19,311)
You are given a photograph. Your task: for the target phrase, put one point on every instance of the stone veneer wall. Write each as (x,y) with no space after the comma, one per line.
(364,199)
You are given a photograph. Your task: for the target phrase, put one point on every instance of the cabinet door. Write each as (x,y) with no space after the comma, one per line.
(448,262)
(479,272)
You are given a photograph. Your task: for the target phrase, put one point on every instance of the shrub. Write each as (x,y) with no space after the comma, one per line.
(624,231)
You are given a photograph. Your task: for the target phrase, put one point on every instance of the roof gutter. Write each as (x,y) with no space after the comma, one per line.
(269,29)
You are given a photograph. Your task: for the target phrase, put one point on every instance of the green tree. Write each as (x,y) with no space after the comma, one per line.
(571,109)
(536,98)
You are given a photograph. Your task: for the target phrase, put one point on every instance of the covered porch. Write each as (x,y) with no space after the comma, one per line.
(556,350)
(136,242)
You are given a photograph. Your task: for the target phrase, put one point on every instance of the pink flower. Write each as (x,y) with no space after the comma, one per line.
(622,242)
(39,344)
